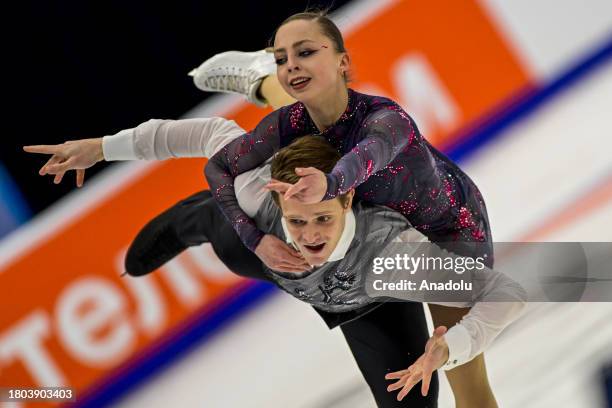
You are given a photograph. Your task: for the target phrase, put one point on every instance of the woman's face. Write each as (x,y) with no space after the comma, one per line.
(315,228)
(308,66)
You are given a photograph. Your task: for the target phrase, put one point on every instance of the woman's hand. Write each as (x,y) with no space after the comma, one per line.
(279,256)
(436,354)
(310,189)
(73,155)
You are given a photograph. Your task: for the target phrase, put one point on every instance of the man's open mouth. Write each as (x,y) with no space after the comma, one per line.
(315,248)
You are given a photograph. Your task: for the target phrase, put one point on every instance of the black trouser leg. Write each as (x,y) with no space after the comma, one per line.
(190,222)
(226,242)
(388,339)
(167,235)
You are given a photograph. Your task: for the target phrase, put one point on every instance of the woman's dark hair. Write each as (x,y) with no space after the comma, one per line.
(328,27)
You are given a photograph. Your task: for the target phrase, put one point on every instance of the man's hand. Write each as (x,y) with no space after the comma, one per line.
(73,155)
(436,354)
(279,256)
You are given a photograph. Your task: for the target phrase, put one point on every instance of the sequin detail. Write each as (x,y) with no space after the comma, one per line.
(301,294)
(339,280)
(448,189)
(296,115)
(467,221)
(405,207)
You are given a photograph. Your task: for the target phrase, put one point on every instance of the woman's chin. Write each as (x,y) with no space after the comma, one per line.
(302,97)
(306,96)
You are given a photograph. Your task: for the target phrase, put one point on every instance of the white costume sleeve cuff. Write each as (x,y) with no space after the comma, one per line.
(119,146)
(459,347)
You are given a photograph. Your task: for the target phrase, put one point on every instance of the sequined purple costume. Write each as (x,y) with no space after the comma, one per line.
(385,159)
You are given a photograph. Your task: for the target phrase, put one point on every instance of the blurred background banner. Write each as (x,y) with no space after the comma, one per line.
(519,92)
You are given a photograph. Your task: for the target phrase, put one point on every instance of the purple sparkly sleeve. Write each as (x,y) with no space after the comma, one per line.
(242,154)
(387,132)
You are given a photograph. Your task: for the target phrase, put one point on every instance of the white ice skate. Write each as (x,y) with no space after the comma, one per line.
(235,71)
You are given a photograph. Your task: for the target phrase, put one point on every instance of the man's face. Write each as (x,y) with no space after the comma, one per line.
(315,228)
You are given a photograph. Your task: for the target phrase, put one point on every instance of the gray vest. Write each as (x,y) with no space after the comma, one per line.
(337,286)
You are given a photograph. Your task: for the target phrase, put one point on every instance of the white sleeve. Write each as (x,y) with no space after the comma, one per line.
(199,137)
(485,320)
(163,139)
(249,188)
(477,330)
(120,146)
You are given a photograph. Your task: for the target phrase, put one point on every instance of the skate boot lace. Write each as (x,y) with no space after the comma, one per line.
(234,79)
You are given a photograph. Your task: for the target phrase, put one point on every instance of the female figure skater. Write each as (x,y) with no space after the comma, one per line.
(334,233)
(386,160)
